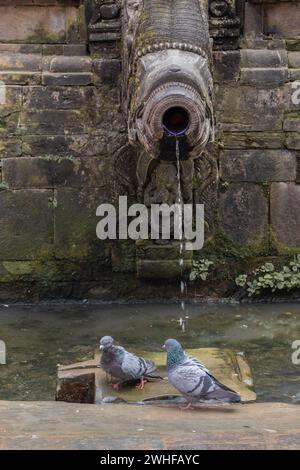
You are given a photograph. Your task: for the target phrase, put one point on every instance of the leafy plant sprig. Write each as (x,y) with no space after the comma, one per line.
(266,277)
(200,269)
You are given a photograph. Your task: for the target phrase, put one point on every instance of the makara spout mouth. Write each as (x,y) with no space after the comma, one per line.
(175,121)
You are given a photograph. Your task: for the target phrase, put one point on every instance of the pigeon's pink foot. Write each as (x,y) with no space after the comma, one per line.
(187,407)
(117,386)
(142,383)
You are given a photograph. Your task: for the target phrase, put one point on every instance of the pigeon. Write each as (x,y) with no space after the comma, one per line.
(121,364)
(192,379)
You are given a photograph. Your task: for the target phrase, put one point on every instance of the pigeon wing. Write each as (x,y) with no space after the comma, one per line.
(111,361)
(134,367)
(191,379)
(194,381)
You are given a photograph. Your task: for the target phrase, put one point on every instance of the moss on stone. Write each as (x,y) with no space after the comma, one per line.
(293,44)
(220,245)
(3,185)
(44,36)
(124,256)
(281,248)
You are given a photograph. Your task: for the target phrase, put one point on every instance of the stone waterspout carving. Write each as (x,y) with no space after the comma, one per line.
(167,92)
(167,87)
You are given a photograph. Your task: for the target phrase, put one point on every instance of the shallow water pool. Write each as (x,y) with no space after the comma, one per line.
(40,337)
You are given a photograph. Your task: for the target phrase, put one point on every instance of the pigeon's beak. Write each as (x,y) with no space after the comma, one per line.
(163,346)
(101,347)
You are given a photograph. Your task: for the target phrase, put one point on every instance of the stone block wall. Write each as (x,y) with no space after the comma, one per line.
(259,127)
(61,126)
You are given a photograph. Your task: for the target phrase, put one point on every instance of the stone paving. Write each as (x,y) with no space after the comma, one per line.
(58,425)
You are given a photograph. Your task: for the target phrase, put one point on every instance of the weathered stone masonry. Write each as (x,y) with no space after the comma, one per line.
(61,128)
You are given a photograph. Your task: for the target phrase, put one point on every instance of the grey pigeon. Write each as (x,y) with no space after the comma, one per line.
(192,379)
(123,365)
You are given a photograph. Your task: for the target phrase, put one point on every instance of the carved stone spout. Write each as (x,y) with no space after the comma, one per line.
(167,87)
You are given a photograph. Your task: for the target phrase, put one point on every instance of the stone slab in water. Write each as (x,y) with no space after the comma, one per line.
(229,367)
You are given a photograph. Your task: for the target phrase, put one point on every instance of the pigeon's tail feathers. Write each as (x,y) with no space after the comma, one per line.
(231,393)
(150,368)
(153,375)
(224,394)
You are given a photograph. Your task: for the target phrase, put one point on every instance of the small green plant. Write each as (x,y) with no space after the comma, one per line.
(3,185)
(267,277)
(200,269)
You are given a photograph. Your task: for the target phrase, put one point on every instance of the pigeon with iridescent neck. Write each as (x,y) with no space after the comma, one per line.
(192,379)
(123,365)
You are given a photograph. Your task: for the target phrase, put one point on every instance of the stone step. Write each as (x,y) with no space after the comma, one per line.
(61,70)
(291,124)
(148,250)
(264,58)
(44,49)
(294,59)
(67,79)
(259,43)
(46,78)
(293,44)
(264,76)
(163,269)
(294,74)
(62,64)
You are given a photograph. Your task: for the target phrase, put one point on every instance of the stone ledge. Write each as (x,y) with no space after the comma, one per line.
(292,140)
(84,426)
(40,2)
(259,43)
(71,64)
(294,59)
(67,79)
(44,49)
(291,124)
(264,58)
(294,74)
(264,76)
(162,269)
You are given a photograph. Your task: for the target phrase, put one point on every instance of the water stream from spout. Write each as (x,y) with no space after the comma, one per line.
(183,285)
